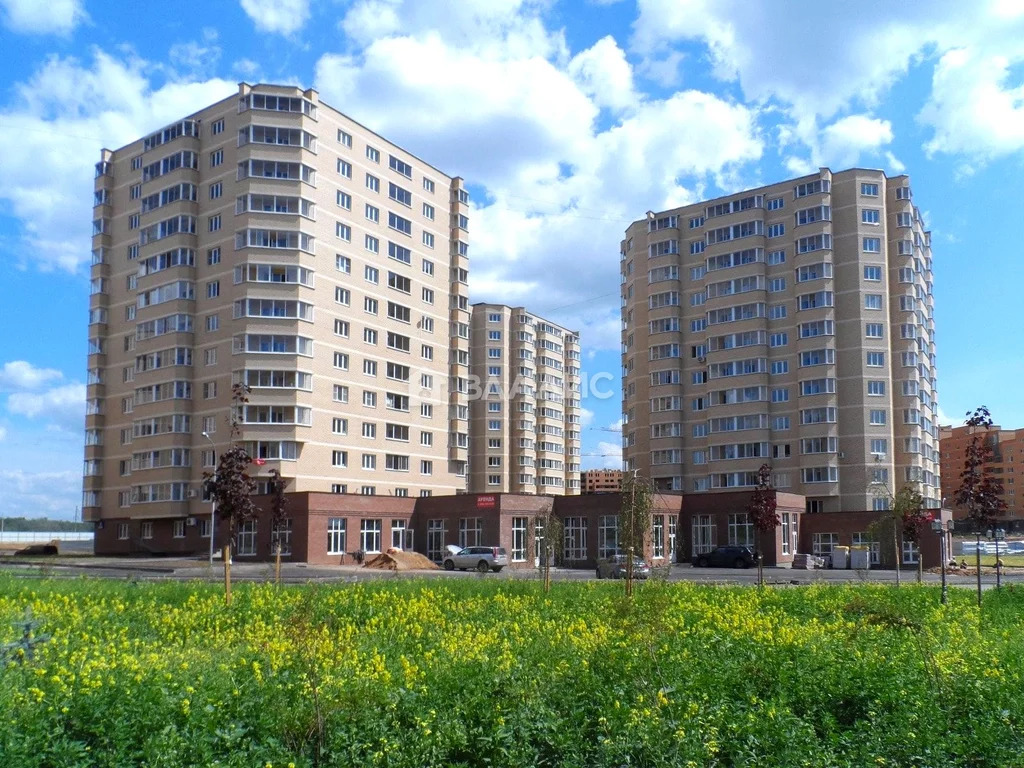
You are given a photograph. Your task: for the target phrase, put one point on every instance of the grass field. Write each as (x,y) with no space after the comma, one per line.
(480,672)
(1010,561)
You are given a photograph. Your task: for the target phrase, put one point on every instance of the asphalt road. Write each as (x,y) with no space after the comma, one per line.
(297,573)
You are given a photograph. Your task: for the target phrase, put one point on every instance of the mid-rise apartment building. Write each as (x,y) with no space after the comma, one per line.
(270,240)
(1006,465)
(525,413)
(601,481)
(792,325)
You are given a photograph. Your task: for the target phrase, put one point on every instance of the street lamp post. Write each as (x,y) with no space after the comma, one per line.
(997,535)
(213,498)
(938,527)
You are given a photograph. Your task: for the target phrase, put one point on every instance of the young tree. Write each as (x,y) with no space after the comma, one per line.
(278,516)
(908,509)
(547,542)
(230,485)
(980,492)
(634,520)
(762,512)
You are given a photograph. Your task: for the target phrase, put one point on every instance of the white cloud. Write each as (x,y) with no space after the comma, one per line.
(282,16)
(586,417)
(63,406)
(610,455)
(973,109)
(603,73)
(560,191)
(41,494)
(3,433)
(196,58)
(62,116)
(489,27)
(43,16)
(847,139)
(817,64)
(21,374)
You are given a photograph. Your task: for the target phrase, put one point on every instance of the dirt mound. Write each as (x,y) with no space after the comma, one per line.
(397,560)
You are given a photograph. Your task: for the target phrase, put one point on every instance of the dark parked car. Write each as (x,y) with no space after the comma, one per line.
(614,567)
(727,557)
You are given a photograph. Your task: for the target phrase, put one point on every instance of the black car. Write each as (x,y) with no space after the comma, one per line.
(727,557)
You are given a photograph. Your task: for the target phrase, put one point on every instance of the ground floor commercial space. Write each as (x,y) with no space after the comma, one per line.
(336,529)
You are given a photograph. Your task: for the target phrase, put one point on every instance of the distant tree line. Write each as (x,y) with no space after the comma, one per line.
(43,524)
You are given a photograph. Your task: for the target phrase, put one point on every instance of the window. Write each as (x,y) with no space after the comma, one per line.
(776,257)
(426,467)
(344,200)
(216,158)
(339,426)
(398,223)
(822,544)
(370,399)
(213,289)
(575,537)
(336,535)
(780,395)
(215,223)
(372,183)
(343,264)
(213,256)
(345,169)
(428,185)
(876,417)
(345,139)
(777,311)
(776,230)
(217,126)
(371,274)
(778,339)
(872,245)
(872,301)
(369,336)
(247,538)
(339,458)
(372,244)
(340,393)
(344,232)
(372,213)
(780,366)
(370,367)
(874,330)
(879,447)
(876,387)
(740,530)
(876,359)
(869,190)
(370,535)
(869,216)
(777,284)
(775,204)
(428,295)
(428,239)
(373,155)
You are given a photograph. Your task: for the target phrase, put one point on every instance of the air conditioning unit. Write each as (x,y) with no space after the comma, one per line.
(192,494)
(190,521)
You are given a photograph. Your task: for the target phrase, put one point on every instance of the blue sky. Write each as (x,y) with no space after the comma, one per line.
(567,119)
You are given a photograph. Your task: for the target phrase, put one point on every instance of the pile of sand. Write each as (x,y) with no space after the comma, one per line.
(397,560)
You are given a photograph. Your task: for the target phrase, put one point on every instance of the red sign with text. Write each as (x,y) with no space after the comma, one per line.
(486,502)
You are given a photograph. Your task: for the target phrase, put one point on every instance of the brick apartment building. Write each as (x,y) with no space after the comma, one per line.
(1007,464)
(601,481)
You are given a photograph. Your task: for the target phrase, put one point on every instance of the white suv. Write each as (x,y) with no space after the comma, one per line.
(484,559)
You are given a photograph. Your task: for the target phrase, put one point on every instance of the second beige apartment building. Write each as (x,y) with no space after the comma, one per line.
(793,325)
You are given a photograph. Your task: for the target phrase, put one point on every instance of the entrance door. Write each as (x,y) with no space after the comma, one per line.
(703,534)
(407,540)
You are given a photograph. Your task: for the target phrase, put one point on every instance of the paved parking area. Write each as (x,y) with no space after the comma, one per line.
(297,573)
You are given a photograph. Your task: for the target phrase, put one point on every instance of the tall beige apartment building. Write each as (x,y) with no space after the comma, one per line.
(525,410)
(791,325)
(270,240)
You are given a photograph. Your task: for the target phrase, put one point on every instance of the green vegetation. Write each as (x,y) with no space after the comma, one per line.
(473,672)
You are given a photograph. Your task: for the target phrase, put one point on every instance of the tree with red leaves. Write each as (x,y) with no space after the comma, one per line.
(980,492)
(762,511)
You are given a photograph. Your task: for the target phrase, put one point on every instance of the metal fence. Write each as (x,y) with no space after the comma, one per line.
(42,537)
